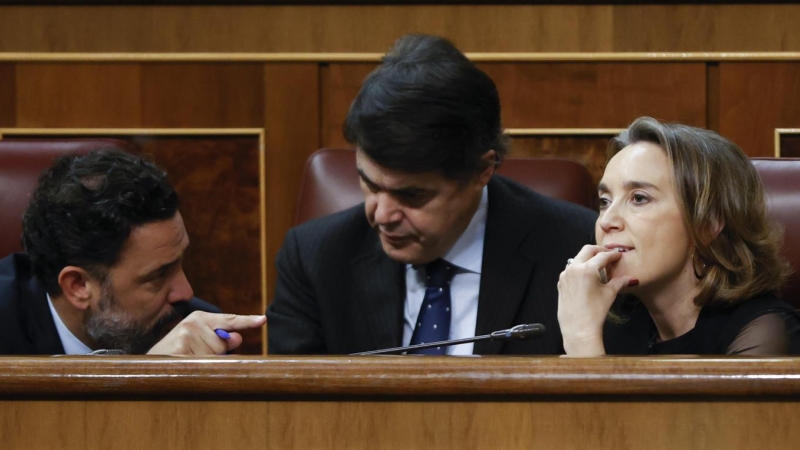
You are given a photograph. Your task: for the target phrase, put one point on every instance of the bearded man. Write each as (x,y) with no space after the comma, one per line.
(102,269)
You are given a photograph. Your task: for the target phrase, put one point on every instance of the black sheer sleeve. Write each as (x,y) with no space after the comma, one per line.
(770,334)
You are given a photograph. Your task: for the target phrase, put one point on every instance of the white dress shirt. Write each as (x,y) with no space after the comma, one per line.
(71,344)
(467,257)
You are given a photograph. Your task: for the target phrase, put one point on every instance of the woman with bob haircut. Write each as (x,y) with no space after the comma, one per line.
(683,236)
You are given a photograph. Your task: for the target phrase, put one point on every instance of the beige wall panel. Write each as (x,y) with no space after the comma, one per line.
(8,95)
(709,28)
(202,95)
(291,111)
(300,29)
(63,95)
(756,98)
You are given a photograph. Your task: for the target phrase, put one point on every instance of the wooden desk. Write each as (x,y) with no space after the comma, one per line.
(398,402)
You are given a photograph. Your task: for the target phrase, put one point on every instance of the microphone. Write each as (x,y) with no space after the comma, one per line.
(518,332)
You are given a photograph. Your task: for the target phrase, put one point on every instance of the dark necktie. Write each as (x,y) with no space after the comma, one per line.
(433,322)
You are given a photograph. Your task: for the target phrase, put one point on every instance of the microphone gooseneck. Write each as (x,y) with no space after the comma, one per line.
(519,332)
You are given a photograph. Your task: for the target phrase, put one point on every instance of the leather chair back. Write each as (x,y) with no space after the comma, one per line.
(21,162)
(781,178)
(330,181)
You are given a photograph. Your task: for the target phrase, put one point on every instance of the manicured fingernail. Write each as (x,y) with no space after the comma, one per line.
(633,282)
(222,334)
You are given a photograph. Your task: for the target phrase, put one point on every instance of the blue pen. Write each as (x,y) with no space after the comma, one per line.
(222,334)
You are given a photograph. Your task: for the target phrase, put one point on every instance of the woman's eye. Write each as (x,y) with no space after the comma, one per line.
(603,203)
(639,198)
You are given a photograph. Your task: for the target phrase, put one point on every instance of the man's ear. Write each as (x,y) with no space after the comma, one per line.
(490,159)
(77,286)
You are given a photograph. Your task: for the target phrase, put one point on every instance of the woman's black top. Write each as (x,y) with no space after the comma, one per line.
(762,325)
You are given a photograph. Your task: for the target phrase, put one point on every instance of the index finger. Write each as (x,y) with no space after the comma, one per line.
(233,322)
(588,252)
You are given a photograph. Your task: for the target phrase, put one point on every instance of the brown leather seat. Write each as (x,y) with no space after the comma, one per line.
(781,177)
(21,162)
(330,181)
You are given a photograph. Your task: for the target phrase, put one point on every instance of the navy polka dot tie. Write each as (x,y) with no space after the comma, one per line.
(433,323)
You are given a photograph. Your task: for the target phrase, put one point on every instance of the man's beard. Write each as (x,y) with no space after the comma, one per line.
(112,328)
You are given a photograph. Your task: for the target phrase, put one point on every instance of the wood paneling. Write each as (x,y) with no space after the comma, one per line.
(711,28)
(579,424)
(292,112)
(756,98)
(556,95)
(476,28)
(8,95)
(589,150)
(78,95)
(790,145)
(398,402)
(202,95)
(397,377)
(340,85)
(598,95)
(300,29)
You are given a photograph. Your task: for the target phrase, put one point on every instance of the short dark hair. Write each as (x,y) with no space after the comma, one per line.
(427,108)
(84,208)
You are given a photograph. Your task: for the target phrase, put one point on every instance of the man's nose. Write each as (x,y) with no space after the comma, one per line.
(181,289)
(387,210)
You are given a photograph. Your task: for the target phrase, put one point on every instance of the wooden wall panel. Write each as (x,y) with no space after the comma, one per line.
(292,112)
(598,95)
(556,95)
(66,95)
(300,29)
(217,180)
(340,85)
(710,28)
(547,422)
(790,145)
(202,95)
(756,98)
(8,95)
(589,150)
(476,28)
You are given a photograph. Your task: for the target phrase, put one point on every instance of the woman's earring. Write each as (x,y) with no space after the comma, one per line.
(698,274)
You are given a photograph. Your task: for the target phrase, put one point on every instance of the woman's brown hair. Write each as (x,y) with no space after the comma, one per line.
(718,186)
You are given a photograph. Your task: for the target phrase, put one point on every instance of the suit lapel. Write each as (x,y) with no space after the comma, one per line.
(380,291)
(507,267)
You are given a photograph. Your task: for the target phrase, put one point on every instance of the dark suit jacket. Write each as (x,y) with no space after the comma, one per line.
(26,325)
(338,292)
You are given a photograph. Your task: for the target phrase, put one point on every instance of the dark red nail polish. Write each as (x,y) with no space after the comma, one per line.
(633,282)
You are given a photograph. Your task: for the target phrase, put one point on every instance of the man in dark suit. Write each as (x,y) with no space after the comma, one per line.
(442,247)
(105,243)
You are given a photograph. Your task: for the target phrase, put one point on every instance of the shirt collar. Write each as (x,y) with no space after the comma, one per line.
(72,345)
(467,252)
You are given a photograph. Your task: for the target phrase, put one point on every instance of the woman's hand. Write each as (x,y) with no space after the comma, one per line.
(584,299)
